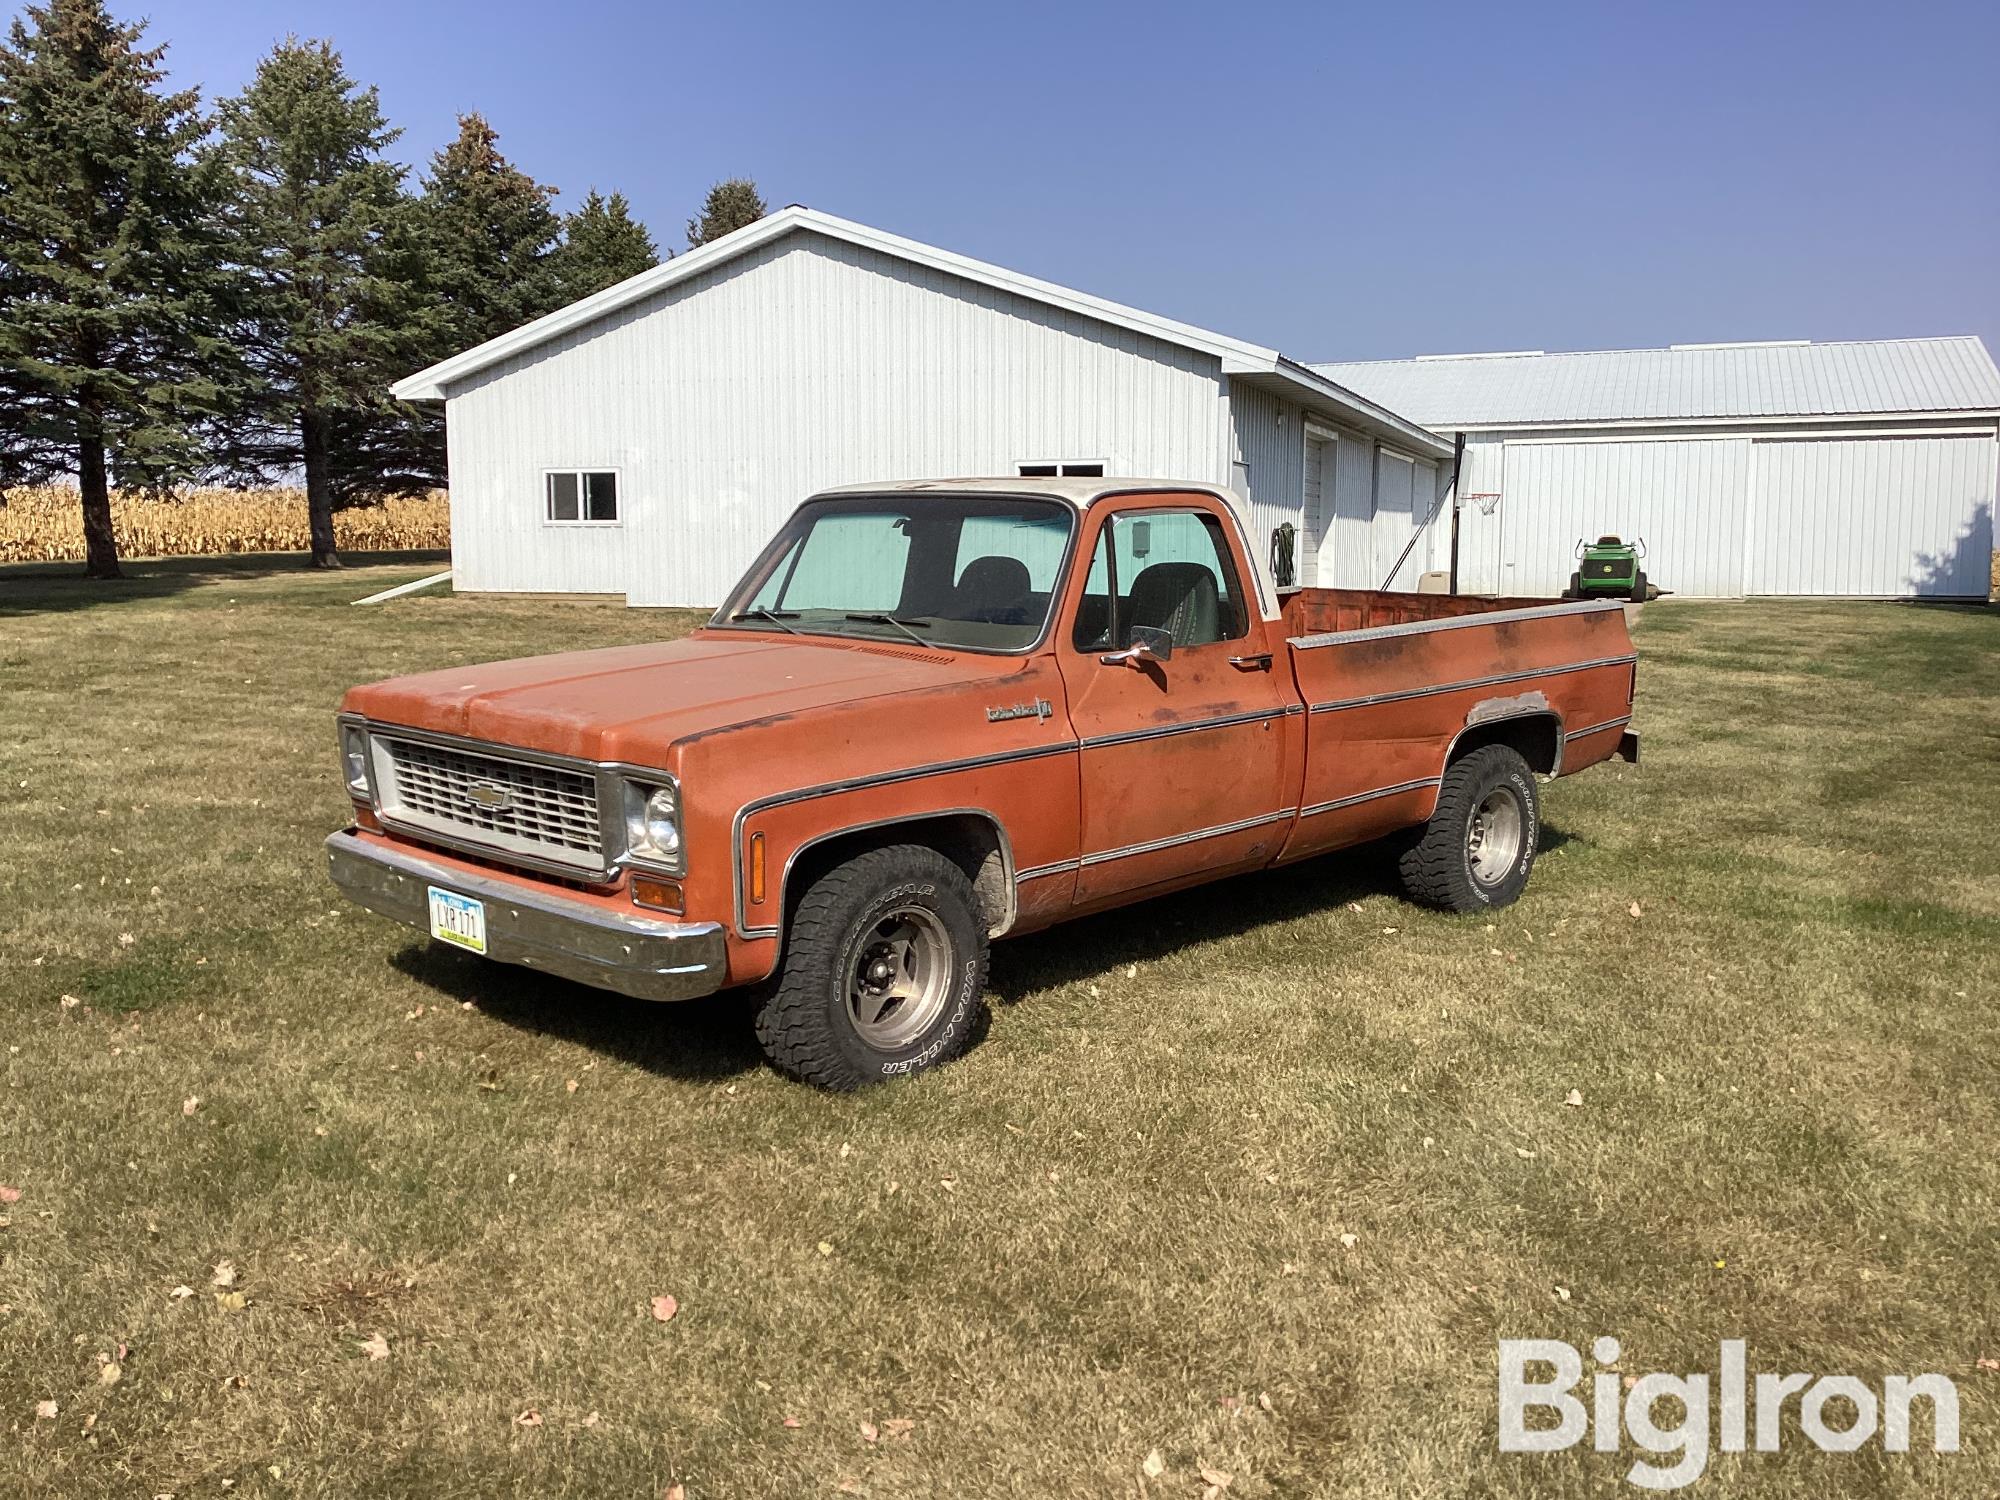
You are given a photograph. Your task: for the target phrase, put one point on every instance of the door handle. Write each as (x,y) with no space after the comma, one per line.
(1259,661)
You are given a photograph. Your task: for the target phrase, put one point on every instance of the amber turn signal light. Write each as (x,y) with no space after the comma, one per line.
(662,895)
(757,867)
(364,817)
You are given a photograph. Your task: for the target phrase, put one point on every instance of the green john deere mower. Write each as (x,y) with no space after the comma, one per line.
(1609,569)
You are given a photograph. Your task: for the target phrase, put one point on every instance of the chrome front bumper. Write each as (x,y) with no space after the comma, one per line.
(644,957)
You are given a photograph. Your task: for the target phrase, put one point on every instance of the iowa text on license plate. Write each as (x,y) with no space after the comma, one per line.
(458,919)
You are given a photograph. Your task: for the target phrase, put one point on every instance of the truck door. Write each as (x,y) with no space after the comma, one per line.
(1182,760)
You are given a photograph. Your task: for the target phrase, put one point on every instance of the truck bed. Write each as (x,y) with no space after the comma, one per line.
(1391,684)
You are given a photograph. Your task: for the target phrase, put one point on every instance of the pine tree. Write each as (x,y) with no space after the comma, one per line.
(482,247)
(729,206)
(490,231)
(314,211)
(109,303)
(602,244)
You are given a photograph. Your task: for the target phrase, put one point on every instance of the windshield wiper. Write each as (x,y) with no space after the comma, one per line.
(902,625)
(775,616)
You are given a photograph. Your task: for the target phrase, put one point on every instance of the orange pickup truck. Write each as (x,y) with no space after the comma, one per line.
(934,714)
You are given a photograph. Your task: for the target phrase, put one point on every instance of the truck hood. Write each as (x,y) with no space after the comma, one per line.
(629,703)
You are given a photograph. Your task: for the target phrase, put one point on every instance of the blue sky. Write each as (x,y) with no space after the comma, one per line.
(1343,182)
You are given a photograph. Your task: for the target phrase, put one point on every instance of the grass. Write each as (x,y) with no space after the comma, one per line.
(1115,1228)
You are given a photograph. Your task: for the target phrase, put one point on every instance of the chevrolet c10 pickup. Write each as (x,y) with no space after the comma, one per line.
(935,714)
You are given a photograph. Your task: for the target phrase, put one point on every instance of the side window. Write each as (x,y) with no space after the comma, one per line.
(846,563)
(1170,570)
(1092,631)
(580,495)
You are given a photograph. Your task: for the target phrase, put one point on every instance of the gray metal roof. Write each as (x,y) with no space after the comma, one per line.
(1685,382)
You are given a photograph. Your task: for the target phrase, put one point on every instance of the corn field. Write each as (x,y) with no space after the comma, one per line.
(45,524)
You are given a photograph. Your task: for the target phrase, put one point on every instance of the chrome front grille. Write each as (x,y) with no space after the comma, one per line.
(541,813)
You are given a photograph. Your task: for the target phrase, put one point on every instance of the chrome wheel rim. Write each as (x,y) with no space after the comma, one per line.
(900,978)
(1493,837)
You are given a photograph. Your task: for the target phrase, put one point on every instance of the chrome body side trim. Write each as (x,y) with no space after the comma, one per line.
(1422,783)
(1403,694)
(856,784)
(1453,622)
(1618,723)
(1153,846)
(1186,726)
(1060,867)
(635,955)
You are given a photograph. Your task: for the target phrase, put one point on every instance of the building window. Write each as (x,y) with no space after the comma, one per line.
(1063,469)
(581,495)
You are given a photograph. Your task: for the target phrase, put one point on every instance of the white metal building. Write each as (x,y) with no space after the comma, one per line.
(1855,469)
(648,440)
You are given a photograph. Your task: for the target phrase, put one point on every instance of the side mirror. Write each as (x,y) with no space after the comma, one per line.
(1149,644)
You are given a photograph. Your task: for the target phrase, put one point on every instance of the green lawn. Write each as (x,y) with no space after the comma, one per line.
(1118,1228)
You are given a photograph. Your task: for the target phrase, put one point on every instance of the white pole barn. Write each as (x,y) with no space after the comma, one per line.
(647,441)
(1836,469)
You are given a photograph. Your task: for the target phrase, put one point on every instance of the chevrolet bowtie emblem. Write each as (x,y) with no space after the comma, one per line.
(491,797)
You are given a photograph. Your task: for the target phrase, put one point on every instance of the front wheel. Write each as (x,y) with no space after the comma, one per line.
(1479,845)
(884,971)
(1639,595)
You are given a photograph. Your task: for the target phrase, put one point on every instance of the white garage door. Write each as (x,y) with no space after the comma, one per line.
(1873,516)
(1685,497)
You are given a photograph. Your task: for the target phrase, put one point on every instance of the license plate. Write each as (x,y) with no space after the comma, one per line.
(458,919)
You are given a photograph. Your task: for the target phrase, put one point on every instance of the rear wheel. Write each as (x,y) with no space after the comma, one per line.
(1479,845)
(1639,586)
(1575,589)
(883,972)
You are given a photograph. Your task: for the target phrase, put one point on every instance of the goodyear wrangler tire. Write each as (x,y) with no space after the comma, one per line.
(884,971)
(1477,849)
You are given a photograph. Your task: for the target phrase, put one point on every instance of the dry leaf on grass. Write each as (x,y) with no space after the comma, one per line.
(664,1307)
(1989,1364)
(532,1417)
(1349,1241)
(898,1427)
(1574,1098)
(869,1432)
(794,1423)
(674,1492)
(110,1373)
(1154,1465)
(1634,909)
(1217,1480)
(231,1301)
(9,1194)
(374,1346)
(190,1104)
(225,1273)
(47,1411)
(825,1247)
(180,1293)
(1563,1293)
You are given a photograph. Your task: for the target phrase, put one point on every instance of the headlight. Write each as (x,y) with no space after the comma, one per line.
(354,759)
(653,826)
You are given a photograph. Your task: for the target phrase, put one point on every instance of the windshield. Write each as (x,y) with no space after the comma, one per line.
(960,572)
